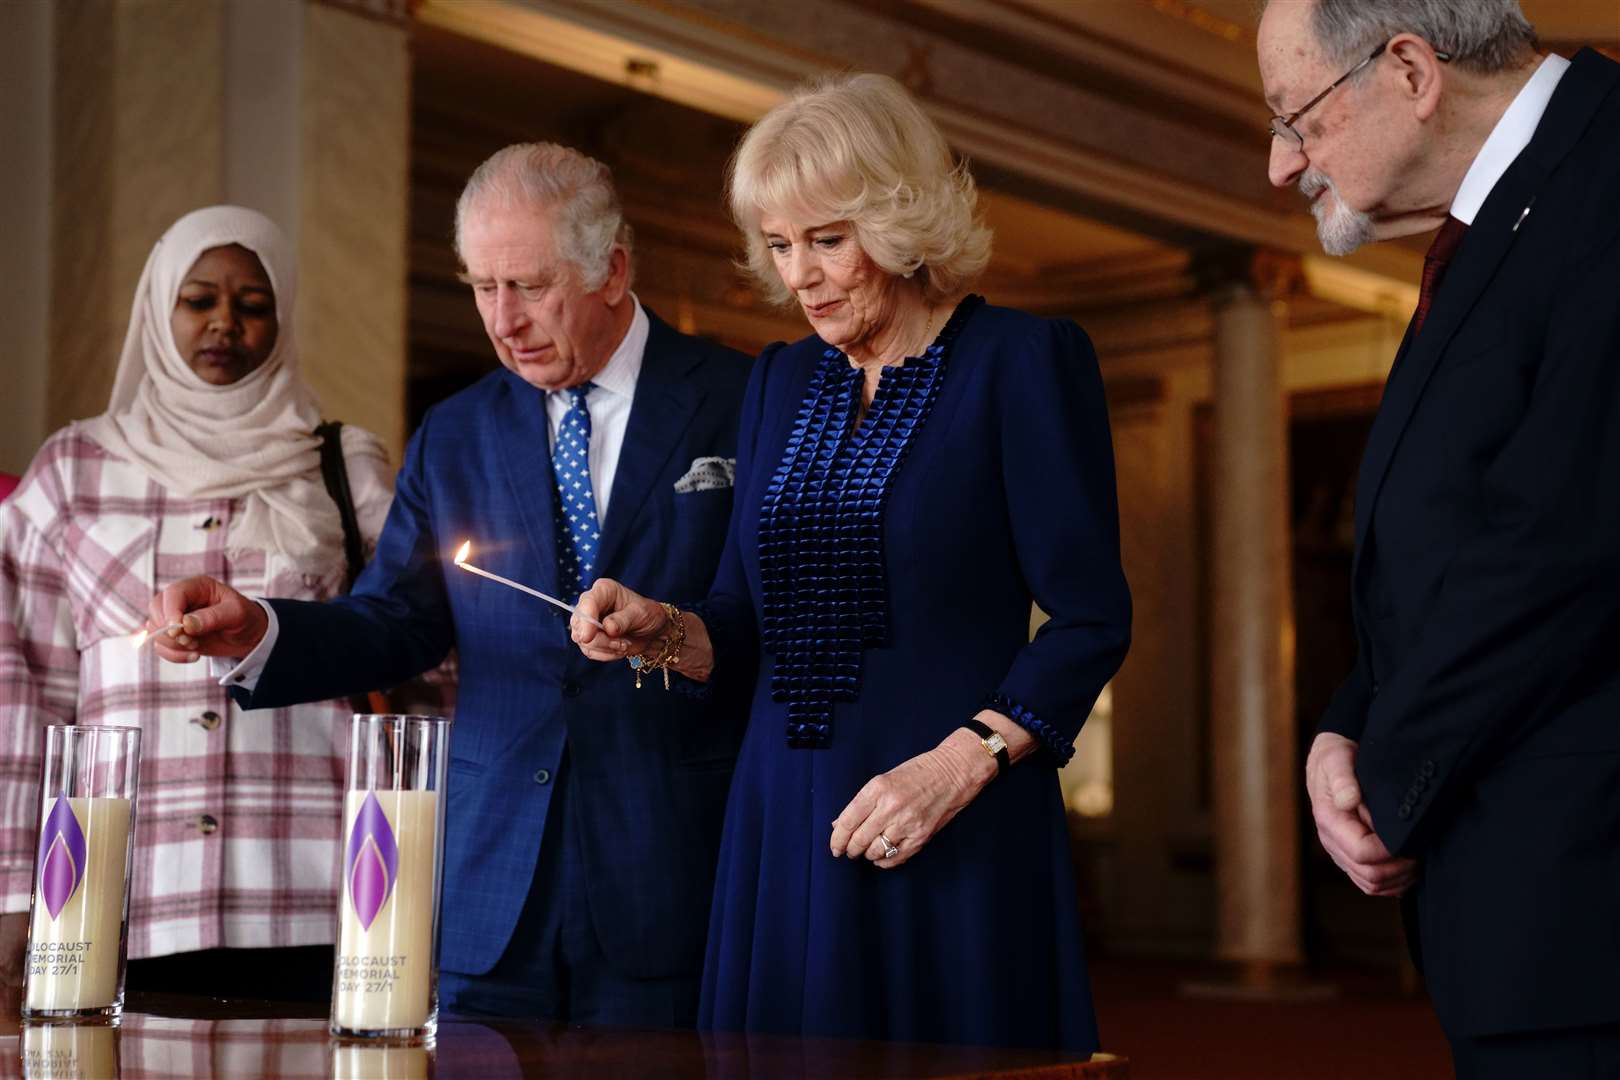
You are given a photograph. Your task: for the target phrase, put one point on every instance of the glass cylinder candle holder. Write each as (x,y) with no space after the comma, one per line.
(385,985)
(79,921)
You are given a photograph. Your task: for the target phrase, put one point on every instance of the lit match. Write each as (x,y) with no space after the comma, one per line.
(461,561)
(147,635)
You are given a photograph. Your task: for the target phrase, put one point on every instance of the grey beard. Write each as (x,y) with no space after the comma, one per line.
(1340,229)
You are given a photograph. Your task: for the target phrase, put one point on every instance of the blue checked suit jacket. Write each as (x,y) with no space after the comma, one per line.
(649,768)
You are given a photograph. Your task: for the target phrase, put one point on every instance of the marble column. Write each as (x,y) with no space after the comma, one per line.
(1256,767)
(299,109)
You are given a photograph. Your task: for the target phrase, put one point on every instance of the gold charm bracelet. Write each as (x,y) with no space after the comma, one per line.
(669,648)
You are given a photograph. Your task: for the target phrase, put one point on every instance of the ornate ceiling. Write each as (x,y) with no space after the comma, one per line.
(1116,140)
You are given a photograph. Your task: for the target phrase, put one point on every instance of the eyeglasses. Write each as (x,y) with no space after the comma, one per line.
(1282,127)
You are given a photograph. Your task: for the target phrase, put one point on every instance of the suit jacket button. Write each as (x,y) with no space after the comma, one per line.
(543,776)
(570,688)
(1405,811)
(1429,769)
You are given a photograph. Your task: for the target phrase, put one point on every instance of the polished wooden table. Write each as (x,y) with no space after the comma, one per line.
(182,1037)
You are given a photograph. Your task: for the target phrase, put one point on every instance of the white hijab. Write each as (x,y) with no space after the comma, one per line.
(252,440)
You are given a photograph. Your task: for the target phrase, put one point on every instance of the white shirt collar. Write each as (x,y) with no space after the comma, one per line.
(1511,135)
(619,374)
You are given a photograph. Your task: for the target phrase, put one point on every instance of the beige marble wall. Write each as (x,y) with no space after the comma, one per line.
(300,110)
(353,218)
(25,207)
(136,143)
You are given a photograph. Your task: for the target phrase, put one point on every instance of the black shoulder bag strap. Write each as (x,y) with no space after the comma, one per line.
(336,475)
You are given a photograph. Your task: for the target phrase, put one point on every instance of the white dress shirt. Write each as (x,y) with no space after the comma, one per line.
(609,405)
(1510,136)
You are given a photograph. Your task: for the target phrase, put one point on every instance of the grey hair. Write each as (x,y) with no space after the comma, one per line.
(588,220)
(1484,36)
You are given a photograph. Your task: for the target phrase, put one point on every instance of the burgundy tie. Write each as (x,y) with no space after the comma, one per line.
(1445,245)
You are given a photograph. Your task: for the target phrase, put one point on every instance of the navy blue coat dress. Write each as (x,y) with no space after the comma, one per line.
(881,572)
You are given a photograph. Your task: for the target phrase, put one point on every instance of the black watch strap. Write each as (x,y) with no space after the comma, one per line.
(984,732)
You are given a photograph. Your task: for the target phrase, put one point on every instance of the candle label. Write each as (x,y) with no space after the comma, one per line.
(373,861)
(384,978)
(61,857)
(76,932)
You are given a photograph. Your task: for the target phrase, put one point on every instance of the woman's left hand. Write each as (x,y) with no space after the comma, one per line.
(912,801)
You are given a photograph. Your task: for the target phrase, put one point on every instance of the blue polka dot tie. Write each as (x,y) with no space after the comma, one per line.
(579,531)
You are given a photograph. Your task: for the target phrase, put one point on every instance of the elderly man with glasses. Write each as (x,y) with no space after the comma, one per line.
(1470,763)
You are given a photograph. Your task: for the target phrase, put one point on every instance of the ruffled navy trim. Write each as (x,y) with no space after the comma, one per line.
(1051,739)
(824,590)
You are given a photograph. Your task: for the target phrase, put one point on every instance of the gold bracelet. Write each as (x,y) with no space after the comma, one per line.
(669,648)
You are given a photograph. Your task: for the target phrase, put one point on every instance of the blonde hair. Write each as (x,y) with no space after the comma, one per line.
(858,148)
(588,222)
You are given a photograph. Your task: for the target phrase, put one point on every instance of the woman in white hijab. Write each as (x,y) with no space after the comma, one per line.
(205,462)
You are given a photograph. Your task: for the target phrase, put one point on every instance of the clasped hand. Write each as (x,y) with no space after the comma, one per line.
(1343,824)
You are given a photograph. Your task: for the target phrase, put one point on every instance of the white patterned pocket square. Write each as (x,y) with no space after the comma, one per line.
(708,474)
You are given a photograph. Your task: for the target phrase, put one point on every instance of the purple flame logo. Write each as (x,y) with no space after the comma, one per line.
(372,862)
(61,856)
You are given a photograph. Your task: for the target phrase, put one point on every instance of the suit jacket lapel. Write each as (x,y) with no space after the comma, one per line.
(525,453)
(663,407)
(1470,271)
(1579,93)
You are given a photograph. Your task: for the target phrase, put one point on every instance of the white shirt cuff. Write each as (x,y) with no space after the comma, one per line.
(245,672)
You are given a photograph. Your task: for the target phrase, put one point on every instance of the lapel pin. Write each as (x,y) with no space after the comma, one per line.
(1523,214)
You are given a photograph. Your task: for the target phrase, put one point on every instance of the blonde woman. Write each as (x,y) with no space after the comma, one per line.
(909,478)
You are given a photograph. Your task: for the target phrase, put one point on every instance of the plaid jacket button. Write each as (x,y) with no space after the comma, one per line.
(543,776)
(208,721)
(207,823)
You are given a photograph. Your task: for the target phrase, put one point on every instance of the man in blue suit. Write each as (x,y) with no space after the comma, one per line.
(583,815)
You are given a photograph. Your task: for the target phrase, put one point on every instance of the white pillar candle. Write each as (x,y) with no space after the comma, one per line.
(385,970)
(75,933)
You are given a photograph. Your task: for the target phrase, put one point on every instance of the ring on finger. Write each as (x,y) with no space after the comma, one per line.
(890,850)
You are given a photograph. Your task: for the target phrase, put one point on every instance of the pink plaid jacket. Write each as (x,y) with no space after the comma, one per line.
(238,813)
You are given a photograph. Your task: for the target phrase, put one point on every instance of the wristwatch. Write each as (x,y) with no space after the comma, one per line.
(993,743)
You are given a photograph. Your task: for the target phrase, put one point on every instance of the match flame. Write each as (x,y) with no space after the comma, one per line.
(463,551)
(140,639)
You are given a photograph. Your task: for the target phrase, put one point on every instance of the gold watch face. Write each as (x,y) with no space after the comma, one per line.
(995,743)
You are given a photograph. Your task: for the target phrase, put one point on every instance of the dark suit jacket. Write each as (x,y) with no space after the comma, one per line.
(650,769)
(1486,589)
